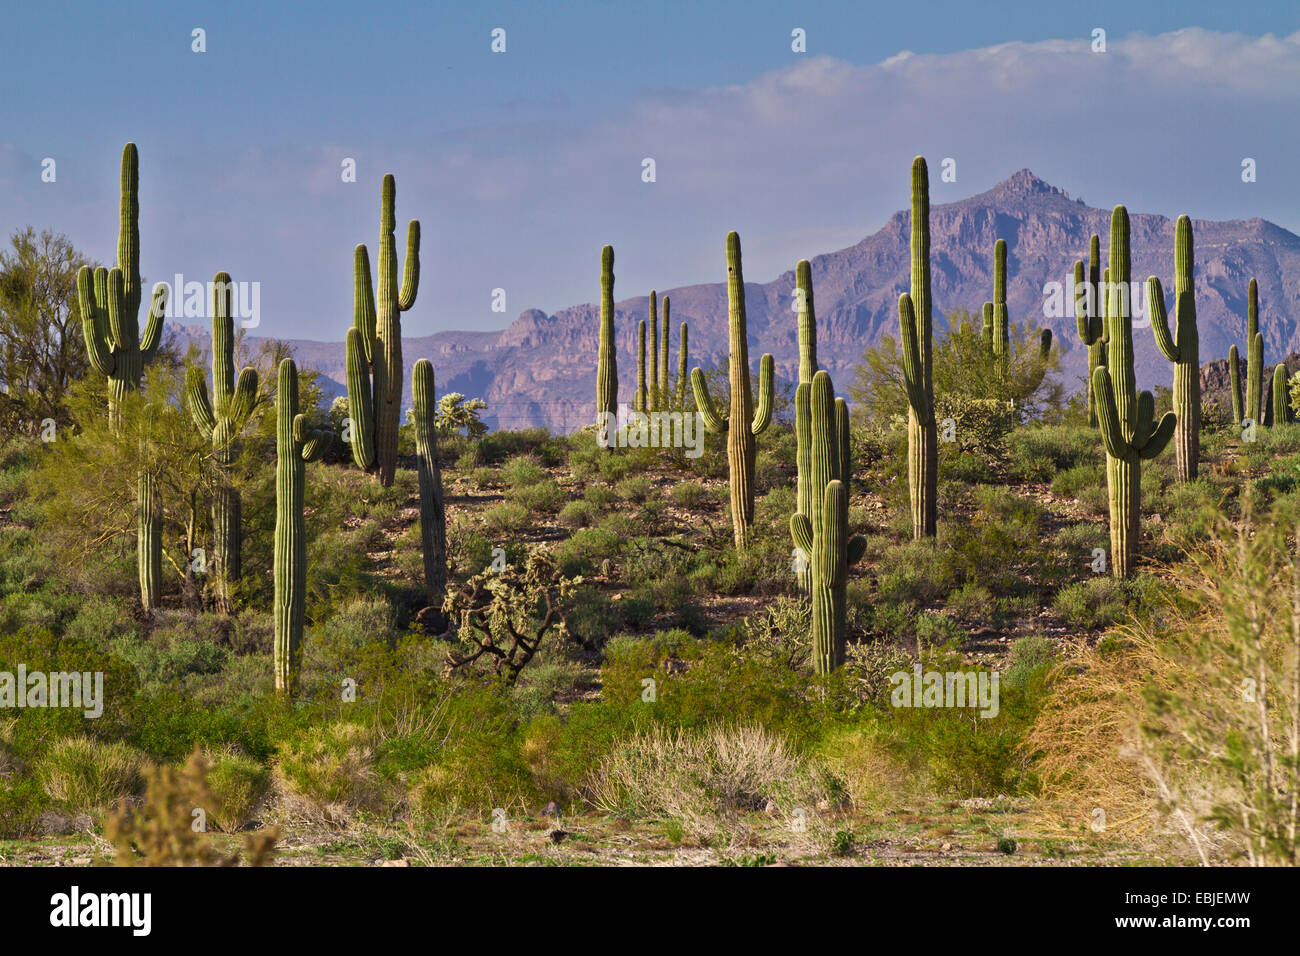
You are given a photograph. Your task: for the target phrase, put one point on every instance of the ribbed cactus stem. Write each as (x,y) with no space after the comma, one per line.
(819,528)
(664,396)
(1234,383)
(1001,320)
(220,419)
(1126,416)
(295,444)
(641,398)
(607,353)
(1281,398)
(1254,356)
(109,302)
(377,321)
(433,515)
(744,421)
(1181,347)
(986,327)
(916,330)
(807,321)
(652,380)
(1089,317)
(682,376)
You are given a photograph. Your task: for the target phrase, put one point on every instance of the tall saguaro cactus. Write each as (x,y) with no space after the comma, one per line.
(1182,348)
(640,401)
(433,514)
(682,360)
(607,352)
(220,419)
(915,327)
(807,325)
(110,323)
(652,381)
(664,397)
(1001,321)
(821,531)
(1254,356)
(1281,396)
(295,445)
(744,421)
(1125,414)
(1234,383)
(1090,317)
(374,343)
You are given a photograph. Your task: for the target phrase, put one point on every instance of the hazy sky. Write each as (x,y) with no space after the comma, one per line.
(521,165)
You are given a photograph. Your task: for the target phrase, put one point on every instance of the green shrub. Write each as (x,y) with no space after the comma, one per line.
(84,774)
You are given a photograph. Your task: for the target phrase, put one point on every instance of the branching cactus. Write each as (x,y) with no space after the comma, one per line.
(744,421)
(607,353)
(433,515)
(1254,356)
(915,327)
(1182,348)
(640,400)
(374,343)
(1281,398)
(110,323)
(295,445)
(1089,314)
(821,532)
(220,419)
(1125,414)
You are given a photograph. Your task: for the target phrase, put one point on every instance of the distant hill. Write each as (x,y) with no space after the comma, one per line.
(541,369)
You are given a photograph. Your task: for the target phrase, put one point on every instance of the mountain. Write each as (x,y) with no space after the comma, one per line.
(541,369)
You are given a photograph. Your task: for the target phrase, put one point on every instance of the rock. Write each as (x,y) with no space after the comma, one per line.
(552,809)
(771,809)
(557,836)
(394,862)
(946,847)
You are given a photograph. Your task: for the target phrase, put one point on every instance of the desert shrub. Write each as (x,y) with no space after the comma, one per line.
(1093,604)
(541,496)
(522,470)
(84,774)
(1072,481)
(781,632)
(635,489)
(328,772)
(507,517)
(980,425)
(170,656)
(577,514)
(1037,454)
(238,785)
(101,621)
(1031,658)
(585,551)
(691,495)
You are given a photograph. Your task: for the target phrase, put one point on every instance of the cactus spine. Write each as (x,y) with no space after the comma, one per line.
(295,444)
(1234,382)
(433,515)
(1254,356)
(220,419)
(1126,416)
(744,421)
(374,343)
(110,323)
(916,329)
(1090,316)
(1182,348)
(821,532)
(1281,398)
(639,401)
(607,354)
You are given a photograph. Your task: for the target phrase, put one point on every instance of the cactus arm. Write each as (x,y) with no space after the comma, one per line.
(154,322)
(704,403)
(1160,320)
(1108,416)
(94,324)
(411,271)
(807,321)
(1160,437)
(1146,414)
(360,406)
(803,445)
(363,300)
(801,533)
(196,393)
(244,397)
(766,390)
(118,321)
(835,511)
(843,450)
(911,356)
(1081,310)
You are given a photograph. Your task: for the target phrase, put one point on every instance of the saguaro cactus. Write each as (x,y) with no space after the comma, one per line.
(640,401)
(607,353)
(110,323)
(220,419)
(986,327)
(744,421)
(916,329)
(1001,321)
(1126,415)
(1254,356)
(1234,382)
(1089,315)
(295,444)
(433,515)
(807,323)
(1281,396)
(821,532)
(652,380)
(664,396)
(681,371)
(1182,348)
(374,343)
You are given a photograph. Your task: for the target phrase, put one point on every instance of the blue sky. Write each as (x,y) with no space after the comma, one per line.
(521,165)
